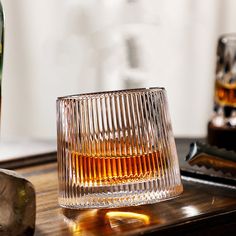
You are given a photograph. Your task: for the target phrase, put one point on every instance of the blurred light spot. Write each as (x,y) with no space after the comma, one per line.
(73,227)
(190,211)
(127,218)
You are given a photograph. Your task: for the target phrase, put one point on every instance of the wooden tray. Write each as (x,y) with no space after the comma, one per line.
(205,208)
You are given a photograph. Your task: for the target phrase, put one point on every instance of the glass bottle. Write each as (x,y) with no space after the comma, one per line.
(222,127)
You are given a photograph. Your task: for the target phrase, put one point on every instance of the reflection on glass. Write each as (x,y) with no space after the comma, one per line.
(90,222)
(129,215)
(82,222)
(73,227)
(119,219)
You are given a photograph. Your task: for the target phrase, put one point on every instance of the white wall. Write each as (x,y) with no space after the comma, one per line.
(59,47)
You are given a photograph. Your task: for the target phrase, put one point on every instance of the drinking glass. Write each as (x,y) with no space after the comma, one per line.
(116,149)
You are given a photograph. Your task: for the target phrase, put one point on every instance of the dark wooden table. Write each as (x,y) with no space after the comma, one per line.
(205,208)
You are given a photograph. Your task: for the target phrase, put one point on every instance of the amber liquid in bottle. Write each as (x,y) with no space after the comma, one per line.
(225,94)
(97,170)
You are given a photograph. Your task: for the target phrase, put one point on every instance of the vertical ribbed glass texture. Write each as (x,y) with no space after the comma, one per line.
(116,149)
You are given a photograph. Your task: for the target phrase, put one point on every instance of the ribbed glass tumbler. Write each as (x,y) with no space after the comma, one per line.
(116,149)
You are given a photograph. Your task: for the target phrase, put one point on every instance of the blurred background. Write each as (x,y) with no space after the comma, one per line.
(60,47)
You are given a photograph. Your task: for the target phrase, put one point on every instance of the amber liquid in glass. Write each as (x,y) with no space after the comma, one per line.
(105,170)
(225,94)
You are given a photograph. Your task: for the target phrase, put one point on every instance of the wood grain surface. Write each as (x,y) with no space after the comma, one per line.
(203,208)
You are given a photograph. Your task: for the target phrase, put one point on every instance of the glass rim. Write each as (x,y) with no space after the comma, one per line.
(110,92)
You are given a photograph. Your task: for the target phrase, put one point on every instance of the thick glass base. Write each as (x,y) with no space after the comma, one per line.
(118,196)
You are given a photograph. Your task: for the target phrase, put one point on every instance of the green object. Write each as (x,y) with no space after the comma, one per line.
(1,48)
(17,205)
